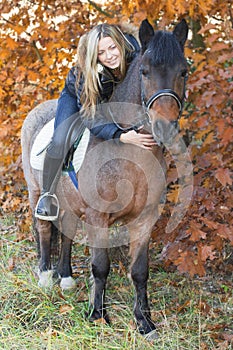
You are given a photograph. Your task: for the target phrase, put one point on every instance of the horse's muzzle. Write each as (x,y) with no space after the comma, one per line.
(165,132)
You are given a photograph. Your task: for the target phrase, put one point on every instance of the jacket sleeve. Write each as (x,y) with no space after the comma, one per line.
(71,81)
(101,128)
(72,86)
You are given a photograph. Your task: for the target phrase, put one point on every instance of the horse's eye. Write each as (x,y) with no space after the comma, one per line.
(184,73)
(144,71)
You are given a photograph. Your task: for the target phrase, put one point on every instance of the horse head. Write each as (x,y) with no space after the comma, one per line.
(163,74)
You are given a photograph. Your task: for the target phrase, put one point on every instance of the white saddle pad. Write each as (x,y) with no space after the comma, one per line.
(42,141)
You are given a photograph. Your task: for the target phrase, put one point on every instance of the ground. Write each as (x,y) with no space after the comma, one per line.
(190,313)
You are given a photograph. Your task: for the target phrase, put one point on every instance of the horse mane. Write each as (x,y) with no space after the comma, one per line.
(129,89)
(164,49)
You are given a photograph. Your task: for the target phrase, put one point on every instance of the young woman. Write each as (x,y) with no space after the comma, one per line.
(104,55)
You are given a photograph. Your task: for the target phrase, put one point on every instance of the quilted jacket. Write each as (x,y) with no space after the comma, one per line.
(108,81)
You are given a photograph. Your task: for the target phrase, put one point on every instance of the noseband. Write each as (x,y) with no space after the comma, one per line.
(165,92)
(146,104)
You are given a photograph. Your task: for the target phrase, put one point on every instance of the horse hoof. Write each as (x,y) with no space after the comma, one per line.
(153,335)
(45,279)
(98,317)
(68,283)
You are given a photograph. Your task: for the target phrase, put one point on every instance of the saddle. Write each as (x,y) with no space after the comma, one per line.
(74,158)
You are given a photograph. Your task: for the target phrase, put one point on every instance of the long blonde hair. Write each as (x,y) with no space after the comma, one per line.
(90,93)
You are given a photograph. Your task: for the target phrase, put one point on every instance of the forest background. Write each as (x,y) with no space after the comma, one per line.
(38,42)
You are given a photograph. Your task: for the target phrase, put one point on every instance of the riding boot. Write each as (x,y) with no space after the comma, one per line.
(47,207)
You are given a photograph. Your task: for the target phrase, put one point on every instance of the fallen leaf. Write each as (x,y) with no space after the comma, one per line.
(65,308)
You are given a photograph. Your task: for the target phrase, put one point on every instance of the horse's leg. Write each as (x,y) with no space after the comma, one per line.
(100,263)
(139,270)
(68,228)
(64,266)
(45,272)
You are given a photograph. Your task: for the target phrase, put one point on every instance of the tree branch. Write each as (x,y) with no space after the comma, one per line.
(37,51)
(98,8)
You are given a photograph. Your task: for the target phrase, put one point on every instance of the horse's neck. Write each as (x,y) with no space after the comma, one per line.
(129,89)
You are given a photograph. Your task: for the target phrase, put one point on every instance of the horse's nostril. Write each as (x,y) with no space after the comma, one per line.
(174,123)
(158,125)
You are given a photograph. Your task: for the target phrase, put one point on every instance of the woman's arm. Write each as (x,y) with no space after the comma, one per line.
(108,131)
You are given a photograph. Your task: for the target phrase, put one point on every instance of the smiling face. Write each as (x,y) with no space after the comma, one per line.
(108,53)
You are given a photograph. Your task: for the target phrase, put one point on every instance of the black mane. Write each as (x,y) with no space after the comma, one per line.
(164,49)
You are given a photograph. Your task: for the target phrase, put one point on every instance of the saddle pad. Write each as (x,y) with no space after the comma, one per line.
(42,141)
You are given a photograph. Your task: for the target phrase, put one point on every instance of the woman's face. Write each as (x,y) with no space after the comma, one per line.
(108,53)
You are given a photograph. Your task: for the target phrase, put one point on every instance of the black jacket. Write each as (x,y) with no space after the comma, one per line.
(97,127)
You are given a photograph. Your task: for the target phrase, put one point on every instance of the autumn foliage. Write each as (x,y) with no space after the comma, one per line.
(38,45)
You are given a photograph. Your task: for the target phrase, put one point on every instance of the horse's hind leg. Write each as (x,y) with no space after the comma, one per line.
(139,274)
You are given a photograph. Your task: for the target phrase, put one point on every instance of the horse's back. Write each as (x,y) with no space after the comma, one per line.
(37,118)
(32,125)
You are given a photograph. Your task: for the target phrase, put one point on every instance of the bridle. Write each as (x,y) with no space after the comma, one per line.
(164,92)
(146,104)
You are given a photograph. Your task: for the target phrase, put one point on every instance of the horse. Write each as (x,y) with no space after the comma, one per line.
(118,183)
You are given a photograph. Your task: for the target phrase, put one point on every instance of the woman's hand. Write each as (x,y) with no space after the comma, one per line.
(145,141)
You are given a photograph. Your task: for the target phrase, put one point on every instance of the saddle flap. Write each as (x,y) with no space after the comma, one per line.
(42,141)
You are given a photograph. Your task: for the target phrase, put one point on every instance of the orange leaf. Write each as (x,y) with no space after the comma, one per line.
(11,43)
(223,176)
(65,308)
(207,252)
(100,321)
(227,136)
(189,262)
(172,195)
(219,47)
(2,92)
(225,232)
(196,233)
(207,28)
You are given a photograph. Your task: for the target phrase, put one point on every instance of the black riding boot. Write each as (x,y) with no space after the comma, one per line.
(48,207)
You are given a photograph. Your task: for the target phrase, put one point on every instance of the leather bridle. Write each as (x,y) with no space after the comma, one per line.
(146,104)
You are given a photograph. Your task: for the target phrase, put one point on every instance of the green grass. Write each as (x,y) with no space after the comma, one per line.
(190,313)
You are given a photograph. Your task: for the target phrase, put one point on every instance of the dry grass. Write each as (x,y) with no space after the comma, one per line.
(190,313)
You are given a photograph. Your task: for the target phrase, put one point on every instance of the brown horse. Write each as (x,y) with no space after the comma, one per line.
(117,183)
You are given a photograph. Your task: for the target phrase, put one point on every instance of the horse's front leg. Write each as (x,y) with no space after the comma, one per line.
(97,227)
(100,265)
(45,272)
(139,274)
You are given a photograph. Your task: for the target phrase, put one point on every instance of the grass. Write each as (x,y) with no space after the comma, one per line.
(190,313)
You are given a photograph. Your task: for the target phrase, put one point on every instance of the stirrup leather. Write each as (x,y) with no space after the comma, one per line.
(51,217)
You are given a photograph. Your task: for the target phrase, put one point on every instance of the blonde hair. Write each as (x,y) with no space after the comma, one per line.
(89,67)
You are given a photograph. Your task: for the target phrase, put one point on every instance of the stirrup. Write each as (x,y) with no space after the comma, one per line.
(51,217)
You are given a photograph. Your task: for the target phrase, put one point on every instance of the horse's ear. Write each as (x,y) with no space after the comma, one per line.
(181,32)
(146,32)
